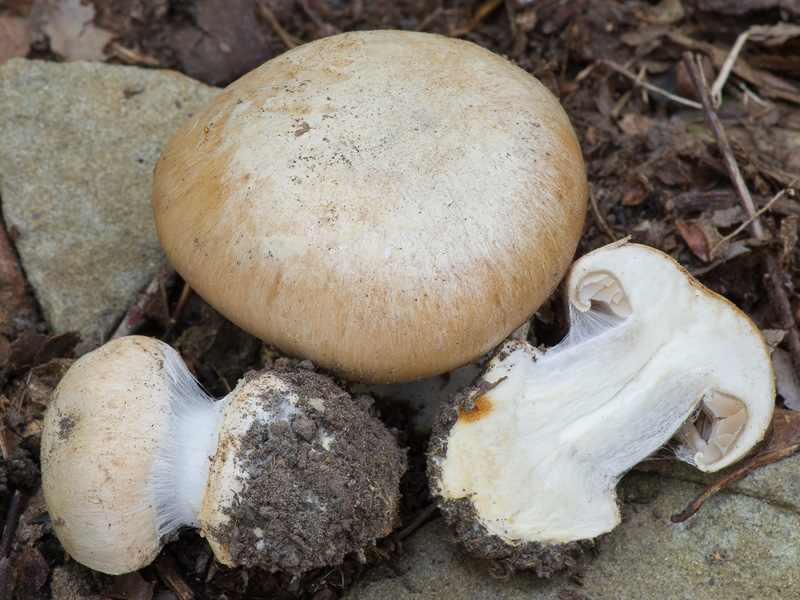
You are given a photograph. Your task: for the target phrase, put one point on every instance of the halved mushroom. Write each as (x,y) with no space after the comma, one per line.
(531,456)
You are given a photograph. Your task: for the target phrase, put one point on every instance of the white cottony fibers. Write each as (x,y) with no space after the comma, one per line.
(586,326)
(180,473)
(650,352)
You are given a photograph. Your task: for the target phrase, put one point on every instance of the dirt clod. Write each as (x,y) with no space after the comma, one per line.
(323,479)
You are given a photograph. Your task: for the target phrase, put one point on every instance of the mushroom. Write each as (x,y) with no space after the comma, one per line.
(526,462)
(287,471)
(388,204)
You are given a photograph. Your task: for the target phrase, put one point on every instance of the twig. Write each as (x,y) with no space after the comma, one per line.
(136,314)
(770,85)
(727,66)
(417,521)
(640,78)
(12,518)
(132,56)
(601,222)
(750,220)
(289,40)
(781,440)
(649,86)
(484,10)
(176,314)
(325,28)
(423,25)
(775,290)
(167,570)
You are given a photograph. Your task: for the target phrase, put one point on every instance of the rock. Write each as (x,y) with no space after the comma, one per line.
(737,546)
(78,143)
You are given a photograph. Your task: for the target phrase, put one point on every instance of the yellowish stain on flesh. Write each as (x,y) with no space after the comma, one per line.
(483,406)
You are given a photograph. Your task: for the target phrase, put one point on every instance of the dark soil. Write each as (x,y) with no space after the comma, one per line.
(323,481)
(655,170)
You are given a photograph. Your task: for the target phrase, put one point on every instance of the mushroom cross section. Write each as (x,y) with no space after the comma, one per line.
(542,443)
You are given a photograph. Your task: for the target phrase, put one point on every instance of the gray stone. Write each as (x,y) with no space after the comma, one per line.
(738,546)
(78,143)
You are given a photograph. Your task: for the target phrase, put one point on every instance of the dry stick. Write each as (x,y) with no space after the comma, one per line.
(176,314)
(750,220)
(727,66)
(601,222)
(288,39)
(775,290)
(167,570)
(417,521)
(648,86)
(12,518)
(136,316)
(423,25)
(781,440)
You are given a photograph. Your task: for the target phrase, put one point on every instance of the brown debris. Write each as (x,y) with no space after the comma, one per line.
(206,42)
(7,578)
(168,572)
(12,517)
(67,25)
(741,7)
(31,348)
(694,236)
(636,191)
(16,300)
(32,571)
(151,303)
(770,85)
(15,38)
(776,290)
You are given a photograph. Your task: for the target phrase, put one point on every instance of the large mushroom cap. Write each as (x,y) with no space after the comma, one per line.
(388,204)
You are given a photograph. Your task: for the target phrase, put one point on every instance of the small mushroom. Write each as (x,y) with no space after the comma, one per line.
(286,472)
(388,204)
(526,462)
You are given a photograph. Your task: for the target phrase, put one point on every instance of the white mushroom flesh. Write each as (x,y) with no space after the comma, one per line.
(650,352)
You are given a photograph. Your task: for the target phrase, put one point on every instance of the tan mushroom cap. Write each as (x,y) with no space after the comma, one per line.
(102,432)
(388,204)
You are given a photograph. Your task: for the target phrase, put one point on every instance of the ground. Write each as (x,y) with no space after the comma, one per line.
(657,172)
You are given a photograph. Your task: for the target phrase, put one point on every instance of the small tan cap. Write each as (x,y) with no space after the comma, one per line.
(388,204)
(102,433)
